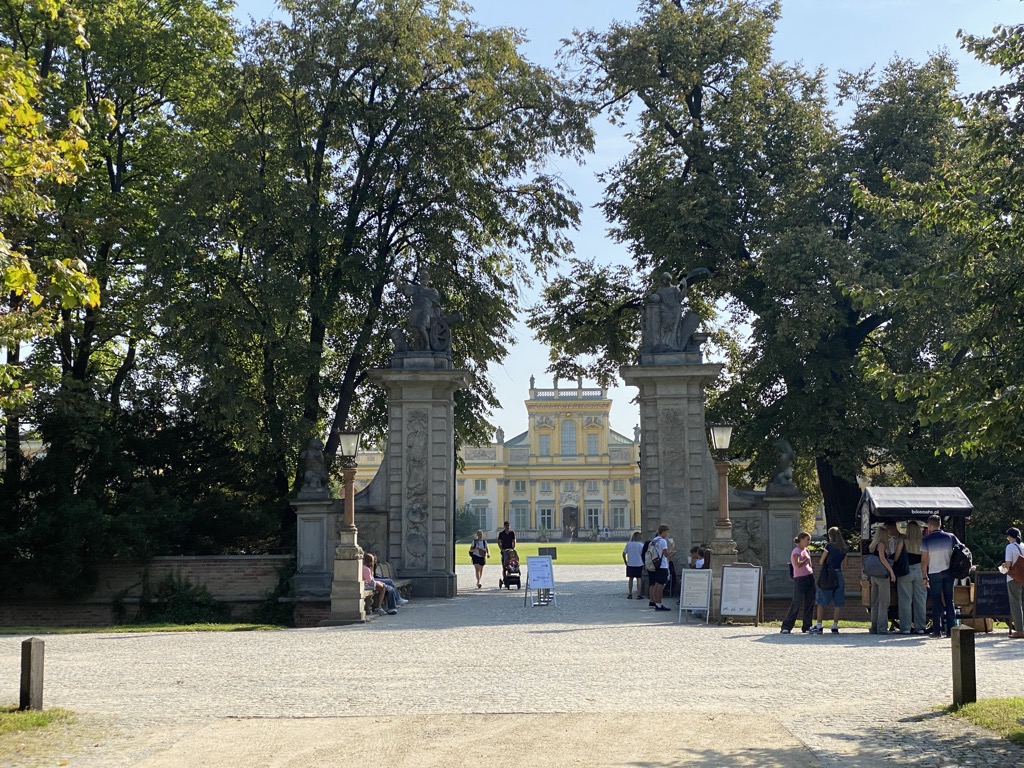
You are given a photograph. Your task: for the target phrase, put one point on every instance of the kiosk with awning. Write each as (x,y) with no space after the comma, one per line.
(883,505)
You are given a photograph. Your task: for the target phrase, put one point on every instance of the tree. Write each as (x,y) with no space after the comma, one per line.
(968,380)
(366,141)
(738,167)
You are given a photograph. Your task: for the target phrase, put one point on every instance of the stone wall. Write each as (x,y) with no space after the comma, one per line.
(241,581)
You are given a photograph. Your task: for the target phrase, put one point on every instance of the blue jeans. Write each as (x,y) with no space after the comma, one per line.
(940,592)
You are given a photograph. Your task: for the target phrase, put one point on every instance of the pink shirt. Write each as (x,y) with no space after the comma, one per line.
(800,570)
(367,575)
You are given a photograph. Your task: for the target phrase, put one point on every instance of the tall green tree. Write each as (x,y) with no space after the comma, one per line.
(367,140)
(738,167)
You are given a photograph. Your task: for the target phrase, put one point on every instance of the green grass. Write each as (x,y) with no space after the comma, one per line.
(12,720)
(1000,715)
(574,553)
(128,628)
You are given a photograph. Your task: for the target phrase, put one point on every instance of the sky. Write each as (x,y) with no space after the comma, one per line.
(850,35)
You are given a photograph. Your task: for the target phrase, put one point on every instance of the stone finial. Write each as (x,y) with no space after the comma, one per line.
(315,481)
(781,482)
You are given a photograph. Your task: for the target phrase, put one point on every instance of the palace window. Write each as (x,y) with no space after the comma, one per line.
(480,486)
(481,516)
(519,486)
(593,517)
(520,518)
(544,445)
(591,486)
(619,519)
(619,486)
(592,445)
(545,518)
(568,438)
(545,486)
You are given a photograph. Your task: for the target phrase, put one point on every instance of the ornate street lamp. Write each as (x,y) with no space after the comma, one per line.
(348,449)
(720,435)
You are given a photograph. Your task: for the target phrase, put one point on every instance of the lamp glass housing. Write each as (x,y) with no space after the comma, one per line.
(348,444)
(721,436)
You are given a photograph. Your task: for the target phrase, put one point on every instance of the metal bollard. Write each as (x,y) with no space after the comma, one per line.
(31,674)
(965,681)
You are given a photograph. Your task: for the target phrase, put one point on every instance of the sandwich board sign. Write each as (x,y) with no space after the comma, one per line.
(741,591)
(540,581)
(694,591)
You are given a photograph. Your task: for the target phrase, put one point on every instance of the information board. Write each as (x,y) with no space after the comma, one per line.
(741,591)
(991,598)
(539,573)
(694,591)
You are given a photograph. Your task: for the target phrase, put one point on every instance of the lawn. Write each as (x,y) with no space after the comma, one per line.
(573,553)
(1003,716)
(12,720)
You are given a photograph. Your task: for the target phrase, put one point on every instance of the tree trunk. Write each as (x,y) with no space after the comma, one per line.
(840,496)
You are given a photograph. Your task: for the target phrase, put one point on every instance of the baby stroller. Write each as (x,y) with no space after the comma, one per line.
(509,570)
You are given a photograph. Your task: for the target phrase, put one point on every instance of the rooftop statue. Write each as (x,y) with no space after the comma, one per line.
(668,326)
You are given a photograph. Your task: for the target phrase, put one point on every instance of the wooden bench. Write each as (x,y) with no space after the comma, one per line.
(385,571)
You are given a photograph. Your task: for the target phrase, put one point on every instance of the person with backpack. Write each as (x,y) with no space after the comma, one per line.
(656,565)
(936,551)
(1015,589)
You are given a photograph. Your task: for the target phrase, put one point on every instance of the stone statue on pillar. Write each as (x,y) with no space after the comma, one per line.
(667,325)
(315,480)
(428,329)
(781,482)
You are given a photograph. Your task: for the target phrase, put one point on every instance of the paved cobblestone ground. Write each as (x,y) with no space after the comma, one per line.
(849,699)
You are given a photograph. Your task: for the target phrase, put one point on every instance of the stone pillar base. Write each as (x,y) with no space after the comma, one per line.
(434,584)
(723,553)
(347,587)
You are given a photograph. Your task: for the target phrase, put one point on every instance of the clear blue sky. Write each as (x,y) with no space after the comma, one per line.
(836,34)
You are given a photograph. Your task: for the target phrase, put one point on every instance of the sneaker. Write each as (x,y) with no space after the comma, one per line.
(835,630)
(629,597)
(815,630)
(785,632)
(402,601)
(392,611)
(662,608)
(381,612)
(650,603)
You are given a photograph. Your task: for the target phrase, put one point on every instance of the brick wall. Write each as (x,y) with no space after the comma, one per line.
(241,581)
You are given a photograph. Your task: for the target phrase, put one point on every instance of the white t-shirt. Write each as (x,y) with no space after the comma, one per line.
(633,552)
(660,545)
(1013,551)
(699,563)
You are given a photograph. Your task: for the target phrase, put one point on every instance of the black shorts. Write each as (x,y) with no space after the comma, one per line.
(634,571)
(658,576)
(477,560)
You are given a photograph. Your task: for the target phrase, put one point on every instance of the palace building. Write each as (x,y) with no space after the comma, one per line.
(569,475)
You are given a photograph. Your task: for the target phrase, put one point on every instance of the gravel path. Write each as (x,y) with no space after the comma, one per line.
(847,699)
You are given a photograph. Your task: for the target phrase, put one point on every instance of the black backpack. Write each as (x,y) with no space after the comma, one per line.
(960,561)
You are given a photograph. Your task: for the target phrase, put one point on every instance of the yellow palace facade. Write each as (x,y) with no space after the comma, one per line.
(570,475)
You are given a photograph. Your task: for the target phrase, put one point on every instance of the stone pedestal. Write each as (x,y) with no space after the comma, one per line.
(316,523)
(419,466)
(347,605)
(783,526)
(677,475)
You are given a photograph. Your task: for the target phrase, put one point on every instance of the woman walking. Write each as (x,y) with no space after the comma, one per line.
(803,585)
(478,553)
(880,584)
(831,561)
(632,556)
(913,596)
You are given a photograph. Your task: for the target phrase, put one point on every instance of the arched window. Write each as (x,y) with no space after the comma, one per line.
(568,438)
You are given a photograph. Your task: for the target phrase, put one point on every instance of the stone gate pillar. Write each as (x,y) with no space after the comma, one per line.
(419,465)
(677,476)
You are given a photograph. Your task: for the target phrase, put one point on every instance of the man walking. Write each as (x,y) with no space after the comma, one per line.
(936,549)
(659,576)
(506,538)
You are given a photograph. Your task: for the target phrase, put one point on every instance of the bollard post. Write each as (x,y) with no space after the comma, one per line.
(31,674)
(965,681)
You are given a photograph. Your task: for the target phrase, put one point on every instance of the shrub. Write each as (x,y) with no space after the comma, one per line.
(176,600)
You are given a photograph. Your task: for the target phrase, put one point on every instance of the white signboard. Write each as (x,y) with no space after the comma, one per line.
(538,573)
(694,591)
(741,591)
